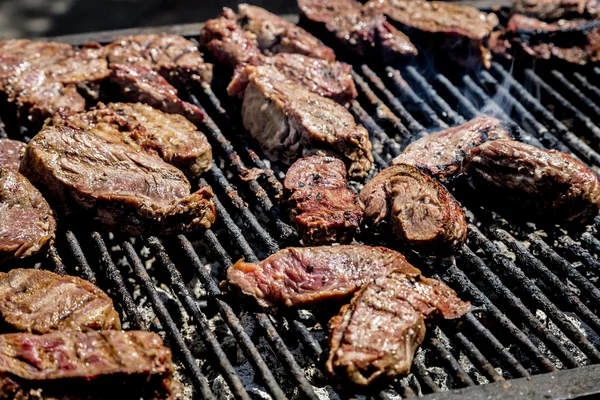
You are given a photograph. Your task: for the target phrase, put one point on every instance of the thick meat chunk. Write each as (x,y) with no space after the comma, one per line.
(302,276)
(441,154)
(226,41)
(422,213)
(395,306)
(322,206)
(82,365)
(546,184)
(174,57)
(290,121)
(172,137)
(11,152)
(26,220)
(40,302)
(276,35)
(459,31)
(129,190)
(362,30)
(551,10)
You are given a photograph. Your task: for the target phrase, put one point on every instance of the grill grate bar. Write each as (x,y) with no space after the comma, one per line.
(475,355)
(418,368)
(59,267)
(591,90)
(374,129)
(465,106)
(576,251)
(452,363)
(484,100)
(581,101)
(77,252)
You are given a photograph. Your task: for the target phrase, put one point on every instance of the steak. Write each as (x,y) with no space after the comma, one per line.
(11,152)
(322,206)
(328,79)
(361,30)
(174,57)
(277,35)
(552,10)
(172,137)
(441,154)
(39,301)
(129,190)
(566,42)
(547,184)
(304,276)
(26,220)
(375,337)
(290,121)
(460,32)
(422,213)
(84,365)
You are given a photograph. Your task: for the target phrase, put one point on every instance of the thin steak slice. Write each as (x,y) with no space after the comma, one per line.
(552,10)
(290,121)
(26,220)
(441,154)
(39,301)
(362,30)
(304,276)
(129,190)
(82,365)
(375,336)
(322,206)
(422,213)
(459,32)
(546,184)
(172,137)
(11,152)
(277,35)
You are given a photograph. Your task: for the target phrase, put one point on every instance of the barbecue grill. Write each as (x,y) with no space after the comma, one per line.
(535,327)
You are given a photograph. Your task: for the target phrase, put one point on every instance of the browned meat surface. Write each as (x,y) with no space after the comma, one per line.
(551,10)
(290,121)
(375,336)
(322,206)
(226,41)
(84,365)
(131,191)
(174,57)
(302,276)
(460,32)
(172,137)
(421,211)
(362,30)
(10,154)
(277,35)
(26,221)
(441,154)
(39,301)
(567,42)
(546,184)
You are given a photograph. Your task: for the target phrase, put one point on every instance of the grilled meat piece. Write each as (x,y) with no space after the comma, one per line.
(276,35)
(441,154)
(322,206)
(421,211)
(174,57)
(459,31)
(545,183)
(130,190)
(40,302)
(11,152)
(83,365)
(328,79)
(26,221)
(226,41)
(302,276)
(568,42)
(140,84)
(290,121)
(172,137)
(552,10)
(362,30)
(395,307)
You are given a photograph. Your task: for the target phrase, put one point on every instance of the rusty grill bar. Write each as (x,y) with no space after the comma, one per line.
(535,294)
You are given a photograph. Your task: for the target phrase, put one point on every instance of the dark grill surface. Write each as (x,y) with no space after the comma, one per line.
(536,293)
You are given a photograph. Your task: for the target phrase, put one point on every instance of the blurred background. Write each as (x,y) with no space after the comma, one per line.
(36,18)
